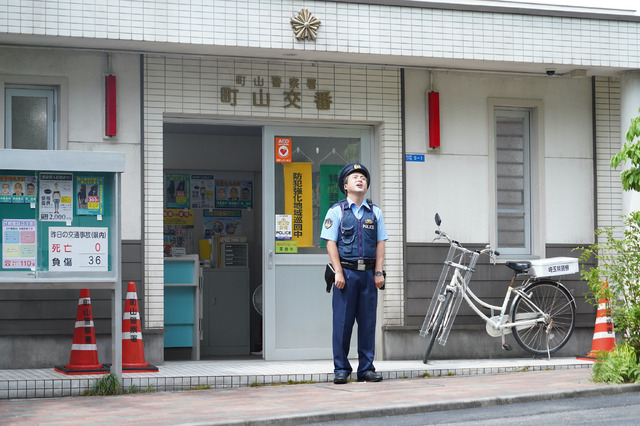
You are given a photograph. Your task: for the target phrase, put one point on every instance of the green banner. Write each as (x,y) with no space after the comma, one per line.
(329,190)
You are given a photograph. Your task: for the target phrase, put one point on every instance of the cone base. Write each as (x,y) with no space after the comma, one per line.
(140,368)
(586,358)
(74,370)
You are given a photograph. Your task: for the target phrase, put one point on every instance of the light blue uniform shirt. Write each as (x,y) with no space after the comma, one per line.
(331,226)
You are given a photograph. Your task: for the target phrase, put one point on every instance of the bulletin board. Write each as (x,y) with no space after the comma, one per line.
(67,235)
(60,222)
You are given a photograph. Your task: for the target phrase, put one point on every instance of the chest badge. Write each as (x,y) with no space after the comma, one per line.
(368,224)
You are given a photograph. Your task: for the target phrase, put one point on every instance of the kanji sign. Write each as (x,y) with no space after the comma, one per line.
(78,249)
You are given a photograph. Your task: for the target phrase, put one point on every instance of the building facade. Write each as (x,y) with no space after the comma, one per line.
(207,90)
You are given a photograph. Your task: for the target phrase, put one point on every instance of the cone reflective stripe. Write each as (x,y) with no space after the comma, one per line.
(604,337)
(132,345)
(84,351)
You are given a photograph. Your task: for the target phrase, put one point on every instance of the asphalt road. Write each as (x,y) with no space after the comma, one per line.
(622,409)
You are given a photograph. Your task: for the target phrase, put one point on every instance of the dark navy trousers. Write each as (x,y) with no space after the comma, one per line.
(357,301)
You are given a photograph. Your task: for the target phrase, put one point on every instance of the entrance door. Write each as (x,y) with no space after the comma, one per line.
(300,184)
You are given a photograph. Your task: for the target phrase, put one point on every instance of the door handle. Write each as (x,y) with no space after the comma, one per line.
(270,259)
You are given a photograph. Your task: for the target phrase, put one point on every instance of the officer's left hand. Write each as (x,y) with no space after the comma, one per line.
(378,280)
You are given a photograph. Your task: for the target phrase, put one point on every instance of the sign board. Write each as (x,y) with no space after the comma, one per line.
(78,249)
(414,157)
(283,150)
(19,244)
(64,226)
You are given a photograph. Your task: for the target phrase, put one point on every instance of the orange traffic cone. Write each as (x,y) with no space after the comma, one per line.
(84,351)
(132,346)
(604,337)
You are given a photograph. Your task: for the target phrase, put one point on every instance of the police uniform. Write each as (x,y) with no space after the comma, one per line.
(356,231)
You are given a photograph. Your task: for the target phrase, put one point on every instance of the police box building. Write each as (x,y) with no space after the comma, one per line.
(235,118)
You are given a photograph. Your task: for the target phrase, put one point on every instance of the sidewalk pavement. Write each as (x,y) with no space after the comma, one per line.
(491,382)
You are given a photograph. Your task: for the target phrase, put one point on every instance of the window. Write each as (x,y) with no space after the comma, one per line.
(30,117)
(513,181)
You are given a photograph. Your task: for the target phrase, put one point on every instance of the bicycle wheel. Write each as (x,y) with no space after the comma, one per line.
(440,312)
(560,308)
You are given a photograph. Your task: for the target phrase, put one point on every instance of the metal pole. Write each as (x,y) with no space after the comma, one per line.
(116,324)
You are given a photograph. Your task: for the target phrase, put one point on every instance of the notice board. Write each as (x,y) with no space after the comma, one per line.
(60,217)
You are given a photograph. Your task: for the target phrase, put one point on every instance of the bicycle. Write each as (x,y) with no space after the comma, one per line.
(542,314)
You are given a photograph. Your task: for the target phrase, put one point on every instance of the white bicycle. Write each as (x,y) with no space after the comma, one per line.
(542,313)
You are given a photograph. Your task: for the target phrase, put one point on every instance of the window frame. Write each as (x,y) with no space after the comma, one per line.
(537,246)
(48,92)
(61,84)
(525,115)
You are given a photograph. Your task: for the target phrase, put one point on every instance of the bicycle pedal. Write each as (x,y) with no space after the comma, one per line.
(506,347)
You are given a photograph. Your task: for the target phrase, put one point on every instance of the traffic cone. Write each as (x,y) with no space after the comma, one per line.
(604,337)
(132,346)
(84,351)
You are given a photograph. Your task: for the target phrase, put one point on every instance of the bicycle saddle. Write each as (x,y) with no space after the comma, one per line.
(519,266)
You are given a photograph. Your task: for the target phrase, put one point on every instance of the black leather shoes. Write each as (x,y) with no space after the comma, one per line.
(341,378)
(370,376)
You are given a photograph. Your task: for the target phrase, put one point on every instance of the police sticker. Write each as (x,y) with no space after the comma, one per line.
(368,224)
(328,223)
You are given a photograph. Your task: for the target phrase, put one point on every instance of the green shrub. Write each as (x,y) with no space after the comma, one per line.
(616,277)
(618,366)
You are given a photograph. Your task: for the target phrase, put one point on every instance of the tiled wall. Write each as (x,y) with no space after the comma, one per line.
(355,28)
(608,142)
(191,85)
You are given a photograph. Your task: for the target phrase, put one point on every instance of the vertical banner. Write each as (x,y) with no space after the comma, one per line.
(298,201)
(329,191)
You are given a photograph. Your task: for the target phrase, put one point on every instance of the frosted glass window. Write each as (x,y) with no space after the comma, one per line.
(30,118)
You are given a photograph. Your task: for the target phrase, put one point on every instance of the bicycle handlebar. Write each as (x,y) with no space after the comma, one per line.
(487,250)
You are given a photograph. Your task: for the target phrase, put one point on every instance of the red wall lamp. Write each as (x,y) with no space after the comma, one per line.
(434,119)
(110,116)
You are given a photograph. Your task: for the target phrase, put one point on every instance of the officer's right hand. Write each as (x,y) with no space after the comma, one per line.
(339,280)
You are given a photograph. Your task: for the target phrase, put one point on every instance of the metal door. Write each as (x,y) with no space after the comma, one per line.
(297,309)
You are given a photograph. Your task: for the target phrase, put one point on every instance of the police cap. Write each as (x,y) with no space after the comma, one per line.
(352,168)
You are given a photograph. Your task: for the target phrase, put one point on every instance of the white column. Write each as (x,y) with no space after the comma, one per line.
(629,105)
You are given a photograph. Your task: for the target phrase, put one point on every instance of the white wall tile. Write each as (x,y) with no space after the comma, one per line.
(190,85)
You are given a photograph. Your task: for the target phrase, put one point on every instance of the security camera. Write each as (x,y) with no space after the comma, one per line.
(551,71)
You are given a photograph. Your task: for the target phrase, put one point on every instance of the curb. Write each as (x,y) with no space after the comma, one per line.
(399,410)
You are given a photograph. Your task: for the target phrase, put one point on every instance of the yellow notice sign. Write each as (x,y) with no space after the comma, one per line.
(298,201)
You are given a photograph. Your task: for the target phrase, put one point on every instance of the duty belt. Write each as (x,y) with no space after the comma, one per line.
(358,265)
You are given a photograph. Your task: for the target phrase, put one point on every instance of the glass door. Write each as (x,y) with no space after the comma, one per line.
(301,166)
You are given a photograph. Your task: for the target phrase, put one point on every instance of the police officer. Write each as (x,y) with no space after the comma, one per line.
(355,233)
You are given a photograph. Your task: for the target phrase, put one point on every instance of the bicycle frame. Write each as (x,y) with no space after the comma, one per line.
(459,286)
(502,318)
